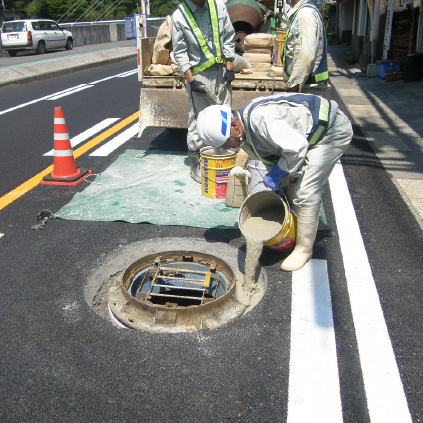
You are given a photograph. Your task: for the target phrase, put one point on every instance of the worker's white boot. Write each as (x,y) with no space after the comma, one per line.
(307,221)
(194,164)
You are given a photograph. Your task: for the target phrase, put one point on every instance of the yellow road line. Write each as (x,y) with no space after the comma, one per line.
(35,180)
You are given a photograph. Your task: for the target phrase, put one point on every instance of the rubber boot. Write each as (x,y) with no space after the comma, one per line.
(307,221)
(194,164)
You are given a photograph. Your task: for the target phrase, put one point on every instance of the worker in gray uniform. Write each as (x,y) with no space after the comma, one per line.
(299,137)
(305,53)
(203,46)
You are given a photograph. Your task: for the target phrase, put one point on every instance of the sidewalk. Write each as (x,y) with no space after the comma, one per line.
(390,116)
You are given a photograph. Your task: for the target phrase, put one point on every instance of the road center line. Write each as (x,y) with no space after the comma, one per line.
(386,399)
(35,180)
(313,394)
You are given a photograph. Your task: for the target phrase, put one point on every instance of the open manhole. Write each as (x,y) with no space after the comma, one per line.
(188,290)
(170,285)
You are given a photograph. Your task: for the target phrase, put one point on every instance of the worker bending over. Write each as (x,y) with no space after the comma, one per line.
(299,137)
(305,53)
(202,37)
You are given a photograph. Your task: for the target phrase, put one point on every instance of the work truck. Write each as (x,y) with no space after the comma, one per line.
(163,99)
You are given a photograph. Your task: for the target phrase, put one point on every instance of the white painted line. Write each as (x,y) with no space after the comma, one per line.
(119,75)
(1,235)
(83,136)
(39,99)
(117,141)
(69,92)
(386,399)
(314,393)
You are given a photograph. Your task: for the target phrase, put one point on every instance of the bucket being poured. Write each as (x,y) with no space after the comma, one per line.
(266,216)
(215,170)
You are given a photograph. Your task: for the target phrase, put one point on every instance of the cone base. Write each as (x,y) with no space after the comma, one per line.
(49,180)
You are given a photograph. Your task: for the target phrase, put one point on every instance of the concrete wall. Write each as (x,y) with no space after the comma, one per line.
(96,34)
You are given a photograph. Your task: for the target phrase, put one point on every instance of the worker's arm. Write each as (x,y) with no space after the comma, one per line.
(306,46)
(180,43)
(227,33)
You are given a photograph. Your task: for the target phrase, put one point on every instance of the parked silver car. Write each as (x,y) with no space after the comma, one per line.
(34,34)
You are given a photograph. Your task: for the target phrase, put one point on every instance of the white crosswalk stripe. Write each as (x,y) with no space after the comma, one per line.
(83,136)
(117,141)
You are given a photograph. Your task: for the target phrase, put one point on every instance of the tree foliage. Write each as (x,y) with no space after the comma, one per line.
(87,10)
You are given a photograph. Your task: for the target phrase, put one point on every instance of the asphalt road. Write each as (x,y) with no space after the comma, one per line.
(63,362)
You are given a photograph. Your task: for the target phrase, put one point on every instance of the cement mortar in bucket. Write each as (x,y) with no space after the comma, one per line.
(215,170)
(266,216)
(258,170)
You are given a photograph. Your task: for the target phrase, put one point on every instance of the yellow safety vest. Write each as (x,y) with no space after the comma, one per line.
(208,58)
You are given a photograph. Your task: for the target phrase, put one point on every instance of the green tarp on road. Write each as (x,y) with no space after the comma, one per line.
(149,186)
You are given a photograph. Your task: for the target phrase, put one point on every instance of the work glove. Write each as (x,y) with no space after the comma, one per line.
(229,76)
(239,171)
(276,178)
(197,86)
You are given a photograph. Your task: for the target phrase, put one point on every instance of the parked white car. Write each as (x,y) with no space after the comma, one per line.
(34,34)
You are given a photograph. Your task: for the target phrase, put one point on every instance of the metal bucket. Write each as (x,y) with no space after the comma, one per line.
(215,170)
(258,171)
(260,202)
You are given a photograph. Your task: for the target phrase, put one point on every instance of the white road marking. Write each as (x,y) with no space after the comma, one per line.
(314,393)
(68,91)
(83,136)
(119,75)
(117,141)
(1,235)
(386,399)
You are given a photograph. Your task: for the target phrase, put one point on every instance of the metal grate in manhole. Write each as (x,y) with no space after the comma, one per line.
(175,291)
(180,281)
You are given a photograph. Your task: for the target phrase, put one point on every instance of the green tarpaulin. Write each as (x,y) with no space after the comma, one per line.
(149,186)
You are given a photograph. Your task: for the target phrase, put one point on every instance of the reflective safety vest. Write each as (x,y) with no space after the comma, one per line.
(208,58)
(321,74)
(319,107)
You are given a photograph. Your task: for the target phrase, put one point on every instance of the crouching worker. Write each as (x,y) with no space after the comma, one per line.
(299,137)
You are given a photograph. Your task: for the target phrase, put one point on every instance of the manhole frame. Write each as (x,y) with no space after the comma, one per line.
(107,274)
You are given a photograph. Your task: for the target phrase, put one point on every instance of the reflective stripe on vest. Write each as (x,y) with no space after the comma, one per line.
(321,74)
(209,59)
(319,108)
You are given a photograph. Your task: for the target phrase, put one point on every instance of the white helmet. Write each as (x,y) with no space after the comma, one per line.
(214,125)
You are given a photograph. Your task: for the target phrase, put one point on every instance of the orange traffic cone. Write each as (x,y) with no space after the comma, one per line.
(65,171)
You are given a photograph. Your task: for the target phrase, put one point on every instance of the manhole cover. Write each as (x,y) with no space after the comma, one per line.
(171,288)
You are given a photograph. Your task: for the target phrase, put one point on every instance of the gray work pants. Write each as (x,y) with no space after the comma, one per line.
(320,160)
(212,78)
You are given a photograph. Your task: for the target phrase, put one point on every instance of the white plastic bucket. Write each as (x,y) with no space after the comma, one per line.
(258,171)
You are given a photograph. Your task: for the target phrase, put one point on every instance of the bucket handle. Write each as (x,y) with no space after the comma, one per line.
(286,201)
